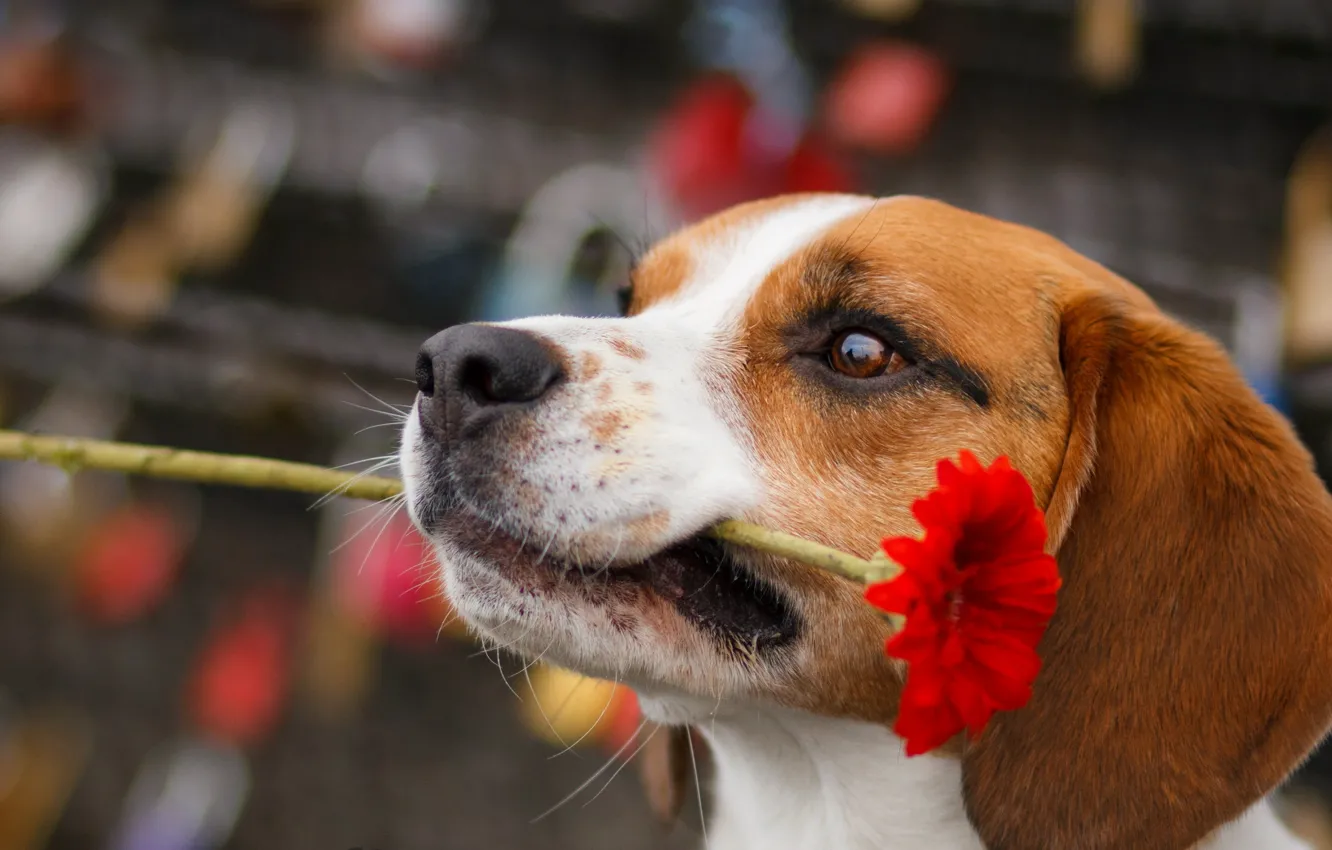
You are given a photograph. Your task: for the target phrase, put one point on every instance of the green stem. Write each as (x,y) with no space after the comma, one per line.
(73,454)
(805,551)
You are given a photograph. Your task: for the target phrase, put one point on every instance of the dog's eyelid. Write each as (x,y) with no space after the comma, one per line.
(823,326)
(812,338)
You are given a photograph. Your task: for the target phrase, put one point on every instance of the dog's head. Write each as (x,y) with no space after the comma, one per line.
(803,363)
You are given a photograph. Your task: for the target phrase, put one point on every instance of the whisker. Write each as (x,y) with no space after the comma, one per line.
(380,425)
(380,458)
(395,414)
(593,778)
(538,658)
(559,712)
(704,587)
(528,666)
(546,550)
(716,708)
(541,708)
(610,699)
(425,581)
(497,647)
(453,617)
(623,765)
(384,514)
(399,500)
(382,463)
(698,788)
(633,251)
(494,529)
(387,405)
(619,541)
(343,487)
(388,514)
(500,666)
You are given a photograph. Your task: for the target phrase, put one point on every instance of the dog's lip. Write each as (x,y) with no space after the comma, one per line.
(698,576)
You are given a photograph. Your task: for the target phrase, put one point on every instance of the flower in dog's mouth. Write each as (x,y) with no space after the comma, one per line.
(977,591)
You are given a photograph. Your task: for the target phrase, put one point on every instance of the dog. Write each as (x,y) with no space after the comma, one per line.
(803,362)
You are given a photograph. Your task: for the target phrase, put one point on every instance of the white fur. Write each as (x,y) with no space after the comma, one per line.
(680,458)
(1258,829)
(788,780)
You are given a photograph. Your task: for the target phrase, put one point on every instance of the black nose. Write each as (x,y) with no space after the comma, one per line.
(470,373)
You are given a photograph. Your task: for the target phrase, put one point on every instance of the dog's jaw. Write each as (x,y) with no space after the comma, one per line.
(543,600)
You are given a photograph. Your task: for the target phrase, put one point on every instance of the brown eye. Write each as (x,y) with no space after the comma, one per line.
(859,354)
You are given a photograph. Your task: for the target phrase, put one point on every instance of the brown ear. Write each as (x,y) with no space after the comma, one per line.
(1189,666)
(663,767)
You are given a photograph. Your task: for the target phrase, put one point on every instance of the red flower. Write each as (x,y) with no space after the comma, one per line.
(977,591)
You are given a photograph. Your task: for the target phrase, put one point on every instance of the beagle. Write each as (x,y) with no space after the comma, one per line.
(803,362)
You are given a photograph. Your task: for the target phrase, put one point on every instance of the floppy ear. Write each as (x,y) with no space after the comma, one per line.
(1189,666)
(663,767)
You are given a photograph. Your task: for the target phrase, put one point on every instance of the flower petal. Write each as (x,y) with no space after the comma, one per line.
(899,595)
(1000,654)
(978,591)
(971,702)
(926,724)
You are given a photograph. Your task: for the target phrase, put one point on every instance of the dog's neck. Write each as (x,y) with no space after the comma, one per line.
(787,780)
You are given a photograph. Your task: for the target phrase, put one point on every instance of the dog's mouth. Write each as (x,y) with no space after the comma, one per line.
(709,588)
(698,577)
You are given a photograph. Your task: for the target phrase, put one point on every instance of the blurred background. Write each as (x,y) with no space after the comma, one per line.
(228,225)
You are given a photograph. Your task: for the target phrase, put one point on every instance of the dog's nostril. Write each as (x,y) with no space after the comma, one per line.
(513,377)
(469,373)
(477,379)
(425,374)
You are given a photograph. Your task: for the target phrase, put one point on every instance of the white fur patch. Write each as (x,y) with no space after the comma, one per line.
(1257,829)
(787,780)
(729,269)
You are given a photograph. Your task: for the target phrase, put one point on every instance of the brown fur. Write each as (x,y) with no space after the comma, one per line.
(626,348)
(1187,671)
(589,366)
(664,767)
(845,472)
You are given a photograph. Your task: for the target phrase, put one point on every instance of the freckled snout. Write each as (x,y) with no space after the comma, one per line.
(469,375)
